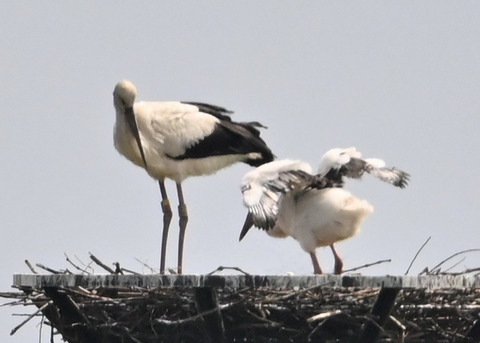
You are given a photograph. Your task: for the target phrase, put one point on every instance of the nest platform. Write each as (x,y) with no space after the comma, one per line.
(254,308)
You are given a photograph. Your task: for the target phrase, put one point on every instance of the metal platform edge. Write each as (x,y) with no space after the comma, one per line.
(36,281)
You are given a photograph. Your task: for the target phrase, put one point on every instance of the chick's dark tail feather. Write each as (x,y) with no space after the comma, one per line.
(246,226)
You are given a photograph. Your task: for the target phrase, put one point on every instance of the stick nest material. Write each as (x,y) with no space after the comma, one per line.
(321,314)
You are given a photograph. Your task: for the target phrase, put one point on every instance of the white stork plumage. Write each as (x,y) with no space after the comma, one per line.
(285,199)
(176,140)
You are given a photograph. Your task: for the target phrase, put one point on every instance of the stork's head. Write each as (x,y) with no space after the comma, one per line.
(124,94)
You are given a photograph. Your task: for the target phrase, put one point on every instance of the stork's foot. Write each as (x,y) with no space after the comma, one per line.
(316,266)
(183,214)
(338,268)
(167,218)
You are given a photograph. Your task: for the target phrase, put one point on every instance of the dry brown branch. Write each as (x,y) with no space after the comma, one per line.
(101,264)
(221,268)
(186,320)
(397,323)
(50,270)
(416,255)
(453,266)
(323,315)
(16,328)
(435,270)
(87,266)
(466,271)
(29,265)
(74,265)
(130,271)
(291,294)
(12,295)
(152,270)
(366,266)
(263,319)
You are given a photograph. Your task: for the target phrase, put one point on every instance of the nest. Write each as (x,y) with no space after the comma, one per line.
(256,311)
(318,314)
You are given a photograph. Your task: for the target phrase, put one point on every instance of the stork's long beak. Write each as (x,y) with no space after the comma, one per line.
(246,226)
(132,123)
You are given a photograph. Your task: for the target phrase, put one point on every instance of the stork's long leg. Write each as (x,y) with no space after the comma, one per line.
(183,219)
(167,217)
(338,260)
(316,265)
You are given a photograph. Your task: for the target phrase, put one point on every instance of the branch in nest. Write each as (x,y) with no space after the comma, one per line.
(50,270)
(416,255)
(268,322)
(75,266)
(101,264)
(15,329)
(297,293)
(221,268)
(323,315)
(146,266)
(129,271)
(436,270)
(29,265)
(366,265)
(186,320)
(466,271)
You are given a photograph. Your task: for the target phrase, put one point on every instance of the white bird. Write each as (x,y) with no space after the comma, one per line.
(176,140)
(285,199)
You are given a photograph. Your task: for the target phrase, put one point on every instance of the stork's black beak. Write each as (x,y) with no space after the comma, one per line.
(246,226)
(132,124)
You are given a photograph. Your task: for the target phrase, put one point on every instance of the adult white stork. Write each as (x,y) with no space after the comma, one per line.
(285,199)
(176,140)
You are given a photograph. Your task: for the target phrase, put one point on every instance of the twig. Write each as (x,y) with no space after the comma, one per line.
(101,264)
(268,322)
(29,265)
(398,323)
(219,269)
(466,271)
(416,255)
(314,331)
(40,330)
(186,320)
(50,270)
(366,265)
(290,295)
(74,265)
(433,270)
(87,266)
(323,315)
(452,267)
(130,271)
(146,266)
(15,329)
(20,301)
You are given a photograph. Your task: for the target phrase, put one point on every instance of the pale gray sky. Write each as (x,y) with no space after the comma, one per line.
(398,80)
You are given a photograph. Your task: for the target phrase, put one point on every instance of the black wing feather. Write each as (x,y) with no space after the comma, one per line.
(217,111)
(230,138)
